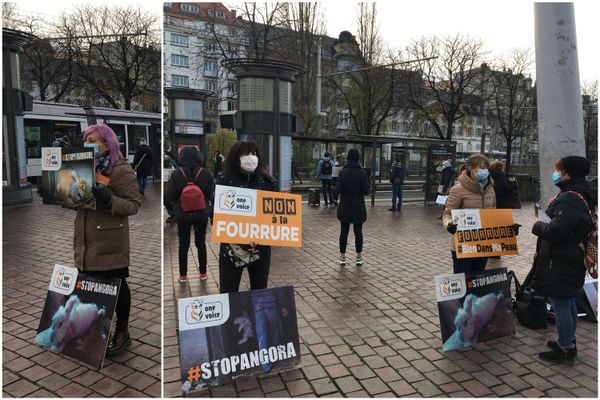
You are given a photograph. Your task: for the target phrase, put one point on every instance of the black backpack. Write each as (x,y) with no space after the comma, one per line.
(529,305)
(326,168)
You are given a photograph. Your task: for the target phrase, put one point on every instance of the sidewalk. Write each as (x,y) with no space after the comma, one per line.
(374,330)
(35,237)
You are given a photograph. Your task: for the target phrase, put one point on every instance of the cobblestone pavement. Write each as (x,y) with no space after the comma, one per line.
(35,237)
(373,331)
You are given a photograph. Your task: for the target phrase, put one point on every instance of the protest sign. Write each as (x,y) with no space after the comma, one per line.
(77,315)
(268,218)
(474,307)
(484,233)
(225,336)
(68,176)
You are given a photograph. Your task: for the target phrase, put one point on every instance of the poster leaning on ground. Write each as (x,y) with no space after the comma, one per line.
(225,336)
(77,315)
(474,307)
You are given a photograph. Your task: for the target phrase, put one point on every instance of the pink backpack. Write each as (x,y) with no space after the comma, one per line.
(191,198)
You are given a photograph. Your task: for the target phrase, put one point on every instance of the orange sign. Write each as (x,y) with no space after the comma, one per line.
(244,216)
(484,233)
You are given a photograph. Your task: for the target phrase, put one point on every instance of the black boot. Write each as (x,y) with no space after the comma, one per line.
(120,339)
(559,355)
(554,345)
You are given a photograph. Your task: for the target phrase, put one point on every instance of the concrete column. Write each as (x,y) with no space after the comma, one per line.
(560,119)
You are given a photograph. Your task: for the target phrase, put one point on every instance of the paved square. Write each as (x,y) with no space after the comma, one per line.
(374,330)
(35,237)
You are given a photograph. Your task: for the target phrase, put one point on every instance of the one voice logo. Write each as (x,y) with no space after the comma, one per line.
(51,159)
(450,287)
(199,311)
(63,279)
(231,200)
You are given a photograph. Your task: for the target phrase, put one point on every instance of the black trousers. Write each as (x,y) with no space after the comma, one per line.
(184,233)
(230,276)
(123,306)
(358,237)
(468,264)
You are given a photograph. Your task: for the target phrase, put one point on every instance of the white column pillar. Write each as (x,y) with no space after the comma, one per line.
(560,119)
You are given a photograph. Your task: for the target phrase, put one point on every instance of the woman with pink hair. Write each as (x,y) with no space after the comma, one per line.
(101,240)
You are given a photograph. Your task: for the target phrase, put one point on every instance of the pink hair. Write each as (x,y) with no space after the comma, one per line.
(109,137)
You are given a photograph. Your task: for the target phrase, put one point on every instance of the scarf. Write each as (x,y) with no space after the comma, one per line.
(102,163)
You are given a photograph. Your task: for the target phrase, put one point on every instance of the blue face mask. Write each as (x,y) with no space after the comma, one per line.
(556,177)
(482,175)
(93,146)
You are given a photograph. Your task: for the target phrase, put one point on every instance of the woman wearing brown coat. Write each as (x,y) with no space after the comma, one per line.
(101,239)
(474,190)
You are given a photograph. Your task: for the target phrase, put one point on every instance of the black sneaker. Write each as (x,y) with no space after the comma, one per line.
(554,345)
(559,356)
(391,209)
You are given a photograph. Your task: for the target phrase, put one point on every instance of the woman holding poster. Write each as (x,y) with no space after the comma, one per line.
(474,190)
(559,266)
(101,241)
(243,168)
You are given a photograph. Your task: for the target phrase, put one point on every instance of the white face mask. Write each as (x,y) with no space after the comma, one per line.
(249,163)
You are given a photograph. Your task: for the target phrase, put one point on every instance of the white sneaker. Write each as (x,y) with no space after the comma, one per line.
(342,260)
(359,260)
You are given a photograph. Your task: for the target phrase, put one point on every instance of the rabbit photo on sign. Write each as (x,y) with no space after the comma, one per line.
(70,186)
(475,313)
(72,320)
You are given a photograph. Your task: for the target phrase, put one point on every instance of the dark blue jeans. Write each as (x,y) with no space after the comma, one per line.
(184,233)
(327,191)
(266,318)
(141,180)
(468,264)
(566,320)
(397,194)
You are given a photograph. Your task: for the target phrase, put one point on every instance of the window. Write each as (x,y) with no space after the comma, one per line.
(343,120)
(231,105)
(231,88)
(167,5)
(211,12)
(180,80)
(285,97)
(210,68)
(394,126)
(233,51)
(211,85)
(190,110)
(179,40)
(212,104)
(210,47)
(220,14)
(189,8)
(179,60)
(231,31)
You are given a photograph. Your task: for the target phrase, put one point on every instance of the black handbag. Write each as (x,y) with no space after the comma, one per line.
(528,305)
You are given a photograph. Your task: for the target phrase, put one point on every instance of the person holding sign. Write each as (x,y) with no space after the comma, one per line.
(243,168)
(474,190)
(559,264)
(101,238)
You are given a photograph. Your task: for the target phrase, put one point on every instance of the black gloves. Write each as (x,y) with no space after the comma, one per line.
(102,196)
(516,229)
(451,228)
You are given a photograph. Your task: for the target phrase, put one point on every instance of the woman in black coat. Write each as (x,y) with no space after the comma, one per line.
(352,186)
(142,164)
(559,267)
(502,188)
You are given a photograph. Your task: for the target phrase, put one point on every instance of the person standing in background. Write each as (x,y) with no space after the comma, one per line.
(397,175)
(142,164)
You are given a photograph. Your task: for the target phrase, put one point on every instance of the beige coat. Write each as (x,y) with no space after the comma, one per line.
(467,194)
(101,239)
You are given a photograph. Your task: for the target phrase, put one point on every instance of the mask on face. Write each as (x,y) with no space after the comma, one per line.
(482,175)
(93,146)
(556,177)
(249,163)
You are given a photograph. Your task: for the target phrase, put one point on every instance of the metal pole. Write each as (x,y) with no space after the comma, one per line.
(560,119)
(318,100)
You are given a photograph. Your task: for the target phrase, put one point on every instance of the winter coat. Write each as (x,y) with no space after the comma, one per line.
(101,239)
(502,189)
(447,179)
(559,268)
(190,161)
(467,194)
(399,172)
(318,173)
(352,185)
(144,163)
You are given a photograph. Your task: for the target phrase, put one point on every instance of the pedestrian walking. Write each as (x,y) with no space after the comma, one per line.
(474,190)
(352,186)
(101,239)
(324,173)
(190,171)
(397,175)
(243,168)
(446,180)
(559,263)
(335,173)
(502,188)
(142,164)
(218,162)
(295,173)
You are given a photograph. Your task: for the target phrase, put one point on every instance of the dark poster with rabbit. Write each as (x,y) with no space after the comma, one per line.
(474,307)
(226,336)
(77,315)
(68,176)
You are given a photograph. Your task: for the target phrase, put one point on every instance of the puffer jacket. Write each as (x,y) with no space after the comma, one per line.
(559,268)
(101,239)
(467,194)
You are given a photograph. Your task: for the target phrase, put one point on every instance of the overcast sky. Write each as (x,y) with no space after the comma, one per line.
(502,24)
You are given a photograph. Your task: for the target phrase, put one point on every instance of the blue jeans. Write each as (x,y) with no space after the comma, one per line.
(397,194)
(327,191)
(566,320)
(267,323)
(141,180)
(468,264)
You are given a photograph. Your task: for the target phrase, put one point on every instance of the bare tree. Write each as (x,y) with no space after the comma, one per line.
(448,91)
(512,96)
(589,90)
(116,52)
(10,19)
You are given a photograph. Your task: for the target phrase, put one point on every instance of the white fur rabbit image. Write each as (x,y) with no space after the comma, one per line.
(475,313)
(72,320)
(69,185)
